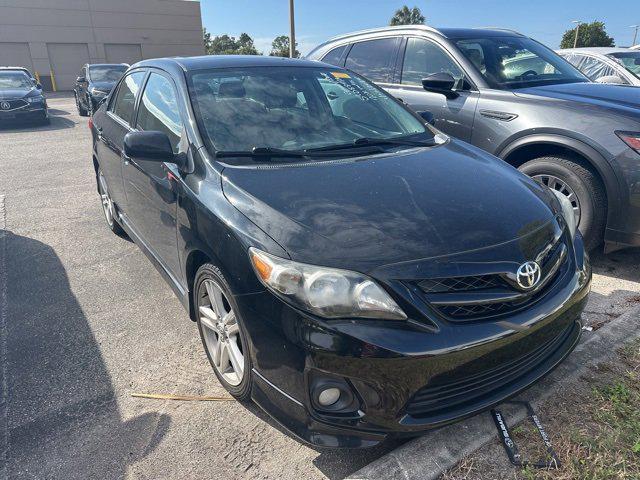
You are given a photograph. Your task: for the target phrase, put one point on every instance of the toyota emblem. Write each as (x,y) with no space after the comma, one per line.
(528,275)
(5,105)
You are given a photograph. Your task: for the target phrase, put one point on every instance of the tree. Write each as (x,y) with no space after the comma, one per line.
(589,35)
(226,45)
(407,16)
(280,47)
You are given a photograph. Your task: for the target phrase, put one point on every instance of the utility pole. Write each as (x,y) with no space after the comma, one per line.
(575,40)
(292,31)
(635,33)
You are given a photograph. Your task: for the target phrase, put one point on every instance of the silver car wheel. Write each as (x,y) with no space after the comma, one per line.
(107,204)
(560,186)
(221,332)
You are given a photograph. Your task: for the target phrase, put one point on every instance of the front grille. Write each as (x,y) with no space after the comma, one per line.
(458,284)
(471,389)
(13,104)
(467,298)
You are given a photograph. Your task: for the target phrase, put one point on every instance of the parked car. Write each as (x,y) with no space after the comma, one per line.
(355,272)
(22,69)
(95,83)
(21,97)
(620,66)
(515,98)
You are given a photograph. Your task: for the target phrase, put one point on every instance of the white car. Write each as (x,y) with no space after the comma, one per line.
(606,65)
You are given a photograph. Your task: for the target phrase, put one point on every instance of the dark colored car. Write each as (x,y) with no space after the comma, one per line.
(95,83)
(339,277)
(517,99)
(21,98)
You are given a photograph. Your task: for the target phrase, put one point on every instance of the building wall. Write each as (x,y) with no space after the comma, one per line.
(74,32)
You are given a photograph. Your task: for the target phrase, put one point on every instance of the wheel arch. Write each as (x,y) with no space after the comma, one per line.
(527,148)
(195,260)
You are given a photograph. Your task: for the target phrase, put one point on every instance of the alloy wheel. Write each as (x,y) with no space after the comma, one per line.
(107,204)
(221,332)
(561,186)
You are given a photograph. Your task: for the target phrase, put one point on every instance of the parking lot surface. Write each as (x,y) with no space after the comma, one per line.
(86,321)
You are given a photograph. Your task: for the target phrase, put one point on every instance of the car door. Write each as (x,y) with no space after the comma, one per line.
(423,57)
(111,129)
(151,197)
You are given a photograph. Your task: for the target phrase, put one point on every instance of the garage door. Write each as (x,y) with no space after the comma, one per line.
(15,55)
(122,53)
(66,61)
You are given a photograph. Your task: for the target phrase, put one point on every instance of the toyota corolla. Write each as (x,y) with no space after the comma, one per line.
(355,272)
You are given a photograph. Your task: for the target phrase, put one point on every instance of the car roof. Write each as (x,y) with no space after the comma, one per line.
(22,69)
(225,61)
(107,64)
(600,50)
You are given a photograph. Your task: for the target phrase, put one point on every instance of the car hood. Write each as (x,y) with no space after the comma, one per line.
(104,86)
(15,92)
(362,214)
(612,96)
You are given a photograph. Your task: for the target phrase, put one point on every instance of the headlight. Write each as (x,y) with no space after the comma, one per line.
(327,292)
(37,99)
(567,212)
(630,138)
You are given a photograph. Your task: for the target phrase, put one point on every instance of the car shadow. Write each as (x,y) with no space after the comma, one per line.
(62,417)
(57,122)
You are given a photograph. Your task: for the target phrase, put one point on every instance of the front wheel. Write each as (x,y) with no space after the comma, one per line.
(222,331)
(108,207)
(581,187)
(81,110)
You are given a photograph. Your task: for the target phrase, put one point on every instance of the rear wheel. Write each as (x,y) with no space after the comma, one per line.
(222,331)
(582,188)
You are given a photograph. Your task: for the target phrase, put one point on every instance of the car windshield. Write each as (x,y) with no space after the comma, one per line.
(630,61)
(295,109)
(13,80)
(106,73)
(518,62)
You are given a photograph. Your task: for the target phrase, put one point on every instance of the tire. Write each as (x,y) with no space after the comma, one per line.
(210,281)
(108,207)
(81,110)
(586,186)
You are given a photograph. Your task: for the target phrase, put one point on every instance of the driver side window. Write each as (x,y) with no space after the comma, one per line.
(423,58)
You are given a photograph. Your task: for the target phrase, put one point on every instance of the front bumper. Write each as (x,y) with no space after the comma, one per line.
(390,364)
(32,111)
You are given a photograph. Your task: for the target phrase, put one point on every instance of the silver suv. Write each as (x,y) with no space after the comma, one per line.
(514,97)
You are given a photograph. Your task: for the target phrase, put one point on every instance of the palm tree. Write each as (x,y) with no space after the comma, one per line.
(407,16)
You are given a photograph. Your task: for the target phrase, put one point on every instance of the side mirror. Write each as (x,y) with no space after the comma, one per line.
(428,117)
(440,82)
(39,86)
(149,146)
(612,79)
(81,79)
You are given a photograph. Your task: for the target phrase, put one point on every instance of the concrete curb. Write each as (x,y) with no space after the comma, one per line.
(428,457)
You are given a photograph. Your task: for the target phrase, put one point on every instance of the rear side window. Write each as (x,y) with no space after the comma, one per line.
(158,110)
(125,100)
(334,56)
(374,58)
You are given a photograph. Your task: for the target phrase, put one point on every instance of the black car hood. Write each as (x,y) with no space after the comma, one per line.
(104,86)
(599,94)
(15,92)
(365,213)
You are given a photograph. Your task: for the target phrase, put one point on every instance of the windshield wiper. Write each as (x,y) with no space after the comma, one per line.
(261,152)
(373,142)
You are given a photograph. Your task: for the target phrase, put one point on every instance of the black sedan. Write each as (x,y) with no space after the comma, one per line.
(21,98)
(95,83)
(355,272)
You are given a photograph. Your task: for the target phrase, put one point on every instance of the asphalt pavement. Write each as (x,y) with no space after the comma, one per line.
(86,321)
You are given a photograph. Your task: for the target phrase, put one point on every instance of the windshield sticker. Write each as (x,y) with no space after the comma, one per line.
(340,75)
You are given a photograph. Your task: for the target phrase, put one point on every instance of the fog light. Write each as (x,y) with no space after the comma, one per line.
(329,396)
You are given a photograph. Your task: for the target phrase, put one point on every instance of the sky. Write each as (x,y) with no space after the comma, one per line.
(317,20)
